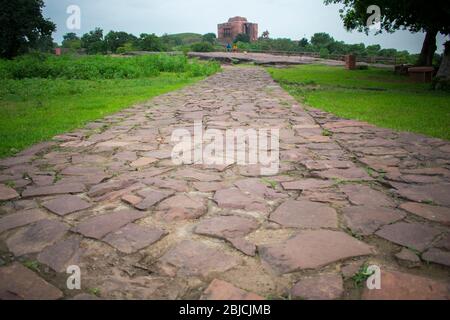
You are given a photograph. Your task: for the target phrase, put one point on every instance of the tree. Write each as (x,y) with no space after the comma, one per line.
(115,40)
(150,42)
(45,44)
(265,34)
(22,26)
(413,15)
(373,50)
(242,37)
(303,43)
(202,47)
(71,41)
(444,70)
(209,37)
(93,42)
(321,40)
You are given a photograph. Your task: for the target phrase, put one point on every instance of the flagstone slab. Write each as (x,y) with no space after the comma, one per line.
(361,195)
(188,203)
(403,286)
(319,165)
(134,237)
(305,214)
(151,198)
(194,258)
(233,198)
(36,237)
(351,174)
(81,171)
(408,258)
(230,228)
(226,227)
(429,212)
(365,220)
(436,193)
(311,249)
(321,287)
(19,283)
(444,242)
(176,185)
(20,219)
(131,199)
(220,290)
(55,189)
(307,184)
(194,175)
(7,193)
(142,162)
(257,188)
(209,186)
(99,226)
(437,256)
(110,186)
(411,235)
(66,204)
(62,254)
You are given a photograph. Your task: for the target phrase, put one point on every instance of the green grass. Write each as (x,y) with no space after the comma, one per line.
(43,95)
(35,110)
(377,96)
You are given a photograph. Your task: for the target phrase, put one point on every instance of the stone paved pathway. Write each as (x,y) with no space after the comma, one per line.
(109,199)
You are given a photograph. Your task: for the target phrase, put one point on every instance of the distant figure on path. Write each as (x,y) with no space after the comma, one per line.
(235,48)
(228,47)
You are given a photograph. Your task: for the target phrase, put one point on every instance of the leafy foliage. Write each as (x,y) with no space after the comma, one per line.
(202,47)
(209,37)
(93,42)
(100,67)
(242,37)
(150,42)
(22,27)
(115,40)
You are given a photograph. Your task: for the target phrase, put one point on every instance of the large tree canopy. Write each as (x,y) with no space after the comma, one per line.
(413,15)
(22,26)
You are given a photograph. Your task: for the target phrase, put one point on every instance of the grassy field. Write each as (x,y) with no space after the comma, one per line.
(375,95)
(35,109)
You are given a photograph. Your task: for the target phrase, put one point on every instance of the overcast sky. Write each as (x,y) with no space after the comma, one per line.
(283,18)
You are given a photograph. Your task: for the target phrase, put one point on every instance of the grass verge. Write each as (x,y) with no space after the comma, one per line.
(35,110)
(376,95)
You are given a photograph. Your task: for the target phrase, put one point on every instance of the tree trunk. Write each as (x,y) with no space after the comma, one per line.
(444,69)
(428,49)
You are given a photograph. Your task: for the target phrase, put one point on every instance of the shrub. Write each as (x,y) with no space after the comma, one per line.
(101,67)
(202,47)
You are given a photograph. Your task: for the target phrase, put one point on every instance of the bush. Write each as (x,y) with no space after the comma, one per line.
(101,67)
(202,47)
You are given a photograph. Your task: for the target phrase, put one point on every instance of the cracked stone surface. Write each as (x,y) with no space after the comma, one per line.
(322,287)
(305,214)
(20,219)
(61,254)
(133,237)
(108,198)
(192,258)
(7,193)
(66,204)
(99,226)
(222,290)
(36,237)
(20,283)
(366,220)
(312,249)
(403,286)
(410,235)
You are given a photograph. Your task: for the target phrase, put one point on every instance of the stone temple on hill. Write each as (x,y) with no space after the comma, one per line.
(228,31)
